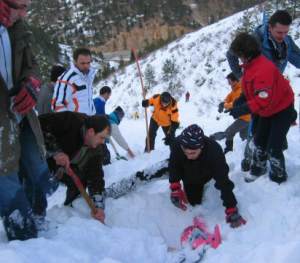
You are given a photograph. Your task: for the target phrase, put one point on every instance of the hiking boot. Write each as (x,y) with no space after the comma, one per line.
(258,165)
(245,165)
(277,172)
(229,146)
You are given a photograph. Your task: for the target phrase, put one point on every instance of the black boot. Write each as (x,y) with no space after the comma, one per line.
(229,146)
(277,173)
(258,165)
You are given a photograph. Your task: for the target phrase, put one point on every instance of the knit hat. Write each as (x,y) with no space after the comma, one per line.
(192,137)
(120,113)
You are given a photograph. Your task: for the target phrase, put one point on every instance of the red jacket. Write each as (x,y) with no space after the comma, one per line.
(266,90)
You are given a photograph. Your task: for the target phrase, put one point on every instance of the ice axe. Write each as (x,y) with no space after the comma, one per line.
(81,189)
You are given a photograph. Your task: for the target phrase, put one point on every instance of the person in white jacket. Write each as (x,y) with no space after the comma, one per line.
(115,118)
(74,88)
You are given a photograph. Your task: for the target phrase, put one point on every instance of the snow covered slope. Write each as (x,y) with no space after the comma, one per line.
(143,224)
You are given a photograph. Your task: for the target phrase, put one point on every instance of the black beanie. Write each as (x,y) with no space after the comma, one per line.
(192,137)
(97,122)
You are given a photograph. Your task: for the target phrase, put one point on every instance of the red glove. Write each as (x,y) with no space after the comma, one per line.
(4,14)
(26,99)
(178,197)
(234,218)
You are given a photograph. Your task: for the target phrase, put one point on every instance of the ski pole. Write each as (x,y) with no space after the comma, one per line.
(144,97)
(81,189)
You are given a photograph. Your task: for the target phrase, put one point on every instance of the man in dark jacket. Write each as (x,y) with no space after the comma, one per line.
(196,159)
(22,205)
(73,140)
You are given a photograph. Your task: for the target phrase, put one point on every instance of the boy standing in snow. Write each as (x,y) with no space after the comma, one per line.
(165,115)
(73,140)
(99,102)
(270,97)
(22,204)
(196,159)
(240,124)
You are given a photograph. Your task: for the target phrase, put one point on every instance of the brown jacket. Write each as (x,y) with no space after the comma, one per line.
(24,65)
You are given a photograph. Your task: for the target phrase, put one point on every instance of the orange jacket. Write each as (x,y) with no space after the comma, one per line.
(164,116)
(231,97)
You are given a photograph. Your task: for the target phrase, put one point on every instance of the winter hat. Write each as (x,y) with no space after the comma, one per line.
(97,122)
(56,71)
(165,98)
(120,113)
(192,137)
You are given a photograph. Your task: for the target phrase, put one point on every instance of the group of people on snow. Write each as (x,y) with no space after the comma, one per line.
(37,151)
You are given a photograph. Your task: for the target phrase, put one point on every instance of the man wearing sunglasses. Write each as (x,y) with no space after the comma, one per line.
(196,159)
(22,204)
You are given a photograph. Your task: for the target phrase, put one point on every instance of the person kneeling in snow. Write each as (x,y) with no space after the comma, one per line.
(73,140)
(196,159)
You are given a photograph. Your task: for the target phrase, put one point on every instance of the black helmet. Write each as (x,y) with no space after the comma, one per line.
(165,98)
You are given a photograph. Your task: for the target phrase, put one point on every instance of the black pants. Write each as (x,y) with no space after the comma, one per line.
(194,193)
(270,132)
(153,127)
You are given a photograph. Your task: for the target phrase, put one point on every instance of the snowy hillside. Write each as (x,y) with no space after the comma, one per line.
(142,225)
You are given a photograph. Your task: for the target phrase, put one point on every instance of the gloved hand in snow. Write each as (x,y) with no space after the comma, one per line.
(178,197)
(234,218)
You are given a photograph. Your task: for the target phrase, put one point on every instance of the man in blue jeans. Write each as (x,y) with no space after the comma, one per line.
(24,175)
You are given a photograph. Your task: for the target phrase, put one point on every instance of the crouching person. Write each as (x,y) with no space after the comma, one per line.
(74,140)
(196,159)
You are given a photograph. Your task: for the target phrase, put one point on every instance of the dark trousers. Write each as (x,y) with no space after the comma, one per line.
(153,127)
(270,132)
(194,193)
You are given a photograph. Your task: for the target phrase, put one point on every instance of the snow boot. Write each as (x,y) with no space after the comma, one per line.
(258,165)
(229,146)
(277,172)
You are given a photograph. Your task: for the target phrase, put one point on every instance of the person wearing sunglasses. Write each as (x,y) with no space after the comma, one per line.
(195,160)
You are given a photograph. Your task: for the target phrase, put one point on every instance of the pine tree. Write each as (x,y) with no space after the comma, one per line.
(149,77)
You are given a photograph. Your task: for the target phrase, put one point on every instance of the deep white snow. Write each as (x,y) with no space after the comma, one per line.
(141,226)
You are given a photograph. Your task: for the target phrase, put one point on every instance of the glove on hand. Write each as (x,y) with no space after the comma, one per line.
(4,14)
(145,103)
(221,107)
(234,218)
(178,197)
(26,98)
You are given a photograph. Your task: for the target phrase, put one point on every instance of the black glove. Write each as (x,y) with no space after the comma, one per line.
(234,218)
(236,112)
(221,107)
(145,103)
